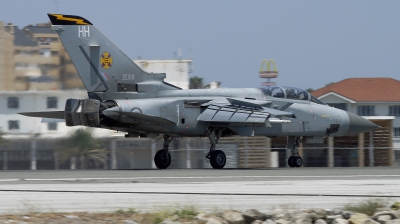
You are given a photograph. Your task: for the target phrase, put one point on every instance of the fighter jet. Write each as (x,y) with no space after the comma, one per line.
(123,97)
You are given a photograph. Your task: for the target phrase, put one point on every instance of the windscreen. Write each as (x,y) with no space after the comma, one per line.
(286,92)
(296,93)
(273,91)
(317,101)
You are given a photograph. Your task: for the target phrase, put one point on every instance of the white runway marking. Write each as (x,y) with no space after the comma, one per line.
(5,180)
(81,201)
(193,177)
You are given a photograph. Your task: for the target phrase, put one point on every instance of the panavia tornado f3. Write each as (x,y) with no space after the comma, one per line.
(123,97)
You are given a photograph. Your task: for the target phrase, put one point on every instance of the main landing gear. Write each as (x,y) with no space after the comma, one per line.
(217,157)
(294,160)
(162,159)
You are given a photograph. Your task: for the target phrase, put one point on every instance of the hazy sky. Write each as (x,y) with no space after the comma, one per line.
(313,42)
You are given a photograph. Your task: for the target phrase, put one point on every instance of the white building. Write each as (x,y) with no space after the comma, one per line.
(18,126)
(177,70)
(369,97)
(14,102)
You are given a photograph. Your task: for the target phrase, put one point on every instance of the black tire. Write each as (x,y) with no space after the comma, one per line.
(217,159)
(291,161)
(162,159)
(298,161)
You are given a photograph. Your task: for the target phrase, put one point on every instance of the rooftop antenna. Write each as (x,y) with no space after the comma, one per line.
(56,5)
(179,53)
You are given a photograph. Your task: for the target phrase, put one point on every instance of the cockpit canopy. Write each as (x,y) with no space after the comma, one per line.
(286,92)
(289,93)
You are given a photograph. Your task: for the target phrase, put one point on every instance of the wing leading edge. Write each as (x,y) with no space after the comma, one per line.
(45,114)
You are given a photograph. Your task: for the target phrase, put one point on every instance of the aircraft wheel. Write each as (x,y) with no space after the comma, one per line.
(217,159)
(297,161)
(291,161)
(162,159)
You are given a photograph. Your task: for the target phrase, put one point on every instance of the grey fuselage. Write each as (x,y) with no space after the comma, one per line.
(311,119)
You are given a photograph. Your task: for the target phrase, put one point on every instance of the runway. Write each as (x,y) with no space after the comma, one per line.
(207,189)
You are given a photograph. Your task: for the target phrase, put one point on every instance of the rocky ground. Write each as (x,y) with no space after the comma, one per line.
(190,215)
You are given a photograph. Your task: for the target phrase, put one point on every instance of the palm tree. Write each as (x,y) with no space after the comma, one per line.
(3,152)
(82,145)
(196,83)
(2,140)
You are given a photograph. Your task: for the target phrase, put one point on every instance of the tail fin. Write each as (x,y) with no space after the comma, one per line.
(100,64)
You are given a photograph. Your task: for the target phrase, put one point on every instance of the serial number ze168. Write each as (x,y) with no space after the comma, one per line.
(127,77)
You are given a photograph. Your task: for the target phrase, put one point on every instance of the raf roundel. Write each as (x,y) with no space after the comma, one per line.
(106,60)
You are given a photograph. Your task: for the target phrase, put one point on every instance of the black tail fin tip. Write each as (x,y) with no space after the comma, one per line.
(59,19)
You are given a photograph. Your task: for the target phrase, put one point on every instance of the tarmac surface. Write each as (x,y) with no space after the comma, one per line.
(207,189)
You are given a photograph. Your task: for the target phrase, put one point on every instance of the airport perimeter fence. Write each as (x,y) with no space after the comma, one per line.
(43,154)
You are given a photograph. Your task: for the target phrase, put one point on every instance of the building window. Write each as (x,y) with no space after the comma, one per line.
(342,106)
(45,52)
(13,102)
(394,110)
(52,102)
(44,40)
(20,65)
(13,125)
(52,126)
(396,133)
(366,110)
(32,66)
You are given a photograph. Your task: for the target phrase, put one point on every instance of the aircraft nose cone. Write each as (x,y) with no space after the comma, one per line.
(359,124)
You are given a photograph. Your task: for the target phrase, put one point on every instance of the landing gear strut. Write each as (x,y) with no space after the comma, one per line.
(217,157)
(162,159)
(294,160)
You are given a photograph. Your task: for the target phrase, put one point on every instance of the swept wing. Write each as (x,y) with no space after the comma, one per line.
(235,110)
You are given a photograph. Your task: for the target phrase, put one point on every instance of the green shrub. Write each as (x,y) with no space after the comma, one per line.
(160,216)
(367,206)
(187,213)
(129,211)
(395,206)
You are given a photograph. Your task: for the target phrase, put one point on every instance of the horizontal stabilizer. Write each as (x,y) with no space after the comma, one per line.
(51,120)
(45,114)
